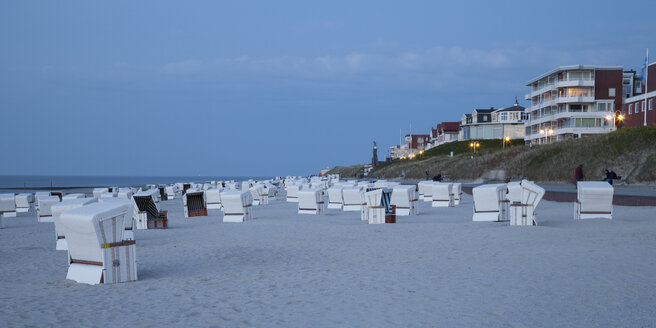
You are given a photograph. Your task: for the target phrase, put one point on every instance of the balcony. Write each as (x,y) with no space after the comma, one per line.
(575,83)
(575,99)
(543,89)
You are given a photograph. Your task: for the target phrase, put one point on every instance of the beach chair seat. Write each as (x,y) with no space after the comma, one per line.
(57,210)
(310,201)
(594,199)
(379,208)
(147,214)
(404,198)
(490,202)
(195,203)
(97,251)
(236,205)
(442,194)
(44,207)
(523,212)
(335,198)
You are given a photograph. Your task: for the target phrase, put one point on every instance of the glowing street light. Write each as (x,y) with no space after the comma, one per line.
(505,141)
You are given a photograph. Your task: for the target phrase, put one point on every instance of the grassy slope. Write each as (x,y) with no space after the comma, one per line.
(630,152)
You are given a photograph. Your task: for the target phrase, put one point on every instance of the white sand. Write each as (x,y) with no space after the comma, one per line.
(288,270)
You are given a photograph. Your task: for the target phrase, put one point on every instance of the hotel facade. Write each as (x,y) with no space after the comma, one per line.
(573,101)
(639,109)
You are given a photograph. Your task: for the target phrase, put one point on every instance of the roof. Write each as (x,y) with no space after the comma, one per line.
(571,68)
(485,111)
(449,126)
(515,108)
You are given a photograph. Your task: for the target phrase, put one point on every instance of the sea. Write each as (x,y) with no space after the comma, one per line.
(17,183)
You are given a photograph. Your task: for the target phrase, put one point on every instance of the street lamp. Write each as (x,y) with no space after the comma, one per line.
(547,133)
(505,141)
(474,145)
(615,117)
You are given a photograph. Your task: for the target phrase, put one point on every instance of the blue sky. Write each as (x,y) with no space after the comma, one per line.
(274,87)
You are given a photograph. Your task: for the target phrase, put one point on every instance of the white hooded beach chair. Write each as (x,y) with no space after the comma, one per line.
(594,199)
(490,202)
(236,205)
(379,208)
(292,192)
(147,212)
(195,203)
(213,197)
(310,201)
(130,220)
(457,193)
(260,196)
(354,200)
(97,192)
(170,192)
(514,194)
(523,213)
(24,202)
(57,210)
(404,197)
(8,205)
(335,198)
(125,193)
(98,253)
(73,196)
(44,207)
(426,190)
(442,194)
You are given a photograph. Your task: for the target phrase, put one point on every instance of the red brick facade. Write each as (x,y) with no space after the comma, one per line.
(634,118)
(605,80)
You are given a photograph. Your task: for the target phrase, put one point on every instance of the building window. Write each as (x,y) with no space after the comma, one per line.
(644,105)
(504,116)
(651,104)
(611,92)
(637,107)
(630,109)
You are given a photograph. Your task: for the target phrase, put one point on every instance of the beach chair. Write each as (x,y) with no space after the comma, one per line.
(213,197)
(8,205)
(354,200)
(292,192)
(195,203)
(170,192)
(260,196)
(426,190)
(97,251)
(148,215)
(124,193)
(73,196)
(44,207)
(310,201)
(379,208)
(404,197)
(130,220)
(523,212)
(457,193)
(57,210)
(236,205)
(514,194)
(335,198)
(594,199)
(24,202)
(185,187)
(57,194)
(442,194)
(490,202)
(97,192)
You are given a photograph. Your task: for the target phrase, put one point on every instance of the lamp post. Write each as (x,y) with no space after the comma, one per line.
(617,116)
(505,141)
(474,145)
(547,133)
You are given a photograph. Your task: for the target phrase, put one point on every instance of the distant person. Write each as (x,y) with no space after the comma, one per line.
(438,178)
(427,175)
(610,176)
(578,173)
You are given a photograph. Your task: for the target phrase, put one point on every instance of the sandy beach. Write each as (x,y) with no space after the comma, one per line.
(282,269)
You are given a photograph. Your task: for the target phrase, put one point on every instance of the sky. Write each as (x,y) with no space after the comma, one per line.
(267,88)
